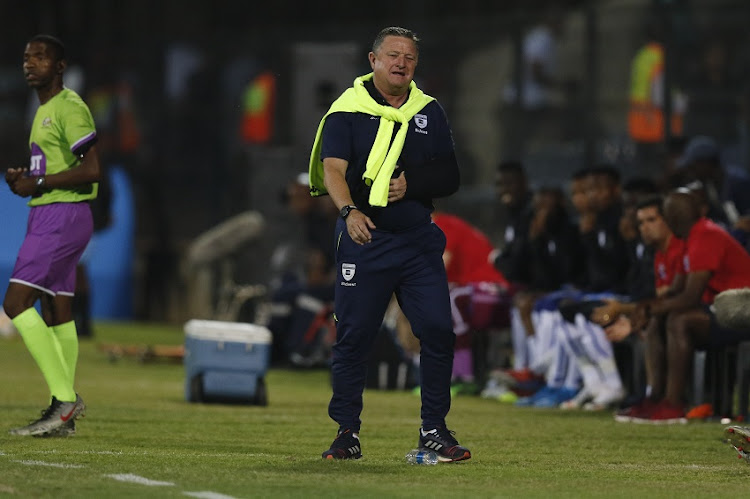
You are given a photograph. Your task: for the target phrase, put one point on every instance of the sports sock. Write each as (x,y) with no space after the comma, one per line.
(67,337)
(519,338)
(558,360)
(545,341)
(571,336)
(46,351)
(599,349)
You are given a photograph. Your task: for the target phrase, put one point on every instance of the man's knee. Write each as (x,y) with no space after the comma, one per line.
(688,326)
(675,323)
(13,308)
(654,330)
(17,299)
(436,334)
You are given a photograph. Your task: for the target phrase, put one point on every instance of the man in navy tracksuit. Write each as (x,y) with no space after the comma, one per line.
(382,248)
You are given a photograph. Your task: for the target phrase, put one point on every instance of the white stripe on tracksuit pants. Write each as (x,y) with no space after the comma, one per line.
(565,352)
(543,352)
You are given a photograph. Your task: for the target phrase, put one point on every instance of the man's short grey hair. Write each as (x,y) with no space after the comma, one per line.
(394,31)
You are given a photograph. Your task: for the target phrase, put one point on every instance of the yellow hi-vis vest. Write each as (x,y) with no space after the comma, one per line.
(645,116)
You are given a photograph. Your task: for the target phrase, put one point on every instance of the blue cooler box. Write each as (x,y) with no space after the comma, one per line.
(226,362)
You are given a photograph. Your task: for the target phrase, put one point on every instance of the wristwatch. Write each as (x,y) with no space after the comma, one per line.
(346,210)
(40,182)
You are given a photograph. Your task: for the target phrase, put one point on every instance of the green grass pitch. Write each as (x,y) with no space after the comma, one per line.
(139,429)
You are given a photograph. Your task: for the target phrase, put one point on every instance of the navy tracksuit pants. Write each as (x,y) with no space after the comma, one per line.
(407,263)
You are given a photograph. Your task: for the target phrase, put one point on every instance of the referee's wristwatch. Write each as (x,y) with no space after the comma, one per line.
(40,183)
(346,210)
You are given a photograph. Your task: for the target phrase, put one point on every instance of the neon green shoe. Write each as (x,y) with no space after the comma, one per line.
(508,397)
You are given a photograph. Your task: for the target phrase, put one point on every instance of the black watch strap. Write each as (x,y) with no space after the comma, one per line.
(346,210)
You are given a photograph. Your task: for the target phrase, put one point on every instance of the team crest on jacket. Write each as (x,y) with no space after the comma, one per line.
(420,120)
(347,271)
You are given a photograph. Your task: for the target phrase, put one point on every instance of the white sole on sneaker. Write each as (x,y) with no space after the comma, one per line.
(605,400)
(578,401)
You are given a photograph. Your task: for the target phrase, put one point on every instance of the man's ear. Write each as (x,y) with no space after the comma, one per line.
(61,65)
(371,57)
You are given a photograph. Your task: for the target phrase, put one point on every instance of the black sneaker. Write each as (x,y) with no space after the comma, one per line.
(442,442)
(345,446)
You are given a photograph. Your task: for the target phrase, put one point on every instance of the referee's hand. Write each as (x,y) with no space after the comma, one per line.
(12,174)
(11,177)
(359,225)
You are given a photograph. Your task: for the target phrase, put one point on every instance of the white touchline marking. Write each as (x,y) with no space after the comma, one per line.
(207,494)
(51,465)
(129,477)
(95,452)
(211,455)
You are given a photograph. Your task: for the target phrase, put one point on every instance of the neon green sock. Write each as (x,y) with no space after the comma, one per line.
(46,351)
(67,337)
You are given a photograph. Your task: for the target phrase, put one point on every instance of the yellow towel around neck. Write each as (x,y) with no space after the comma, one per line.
(382,159)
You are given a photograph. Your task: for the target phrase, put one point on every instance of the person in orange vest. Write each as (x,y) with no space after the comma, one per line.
(259,102)
(646,125)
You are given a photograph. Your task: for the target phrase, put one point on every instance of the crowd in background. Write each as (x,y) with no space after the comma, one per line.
(563,252)
(558,77)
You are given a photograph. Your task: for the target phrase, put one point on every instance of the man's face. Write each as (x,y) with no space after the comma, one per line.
(652,226)
(510,188)
(602,191)
(39,65)
(394,63)
(579,195)
(677,217)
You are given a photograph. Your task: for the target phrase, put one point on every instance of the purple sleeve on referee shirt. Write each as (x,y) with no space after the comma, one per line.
(83,144)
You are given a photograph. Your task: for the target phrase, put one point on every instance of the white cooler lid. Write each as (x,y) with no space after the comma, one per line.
(241,332)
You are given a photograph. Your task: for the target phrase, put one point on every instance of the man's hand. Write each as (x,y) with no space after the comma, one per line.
(619,330)
(743,223)
(25,186)
(397,188)
(539,222)
(607,313)
(13,176)
(358,225)
(639,318)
